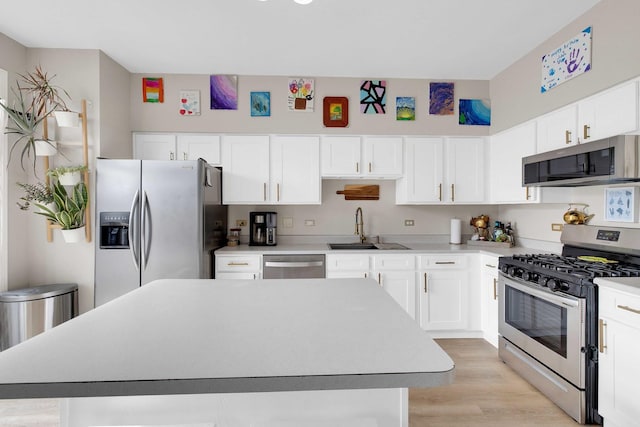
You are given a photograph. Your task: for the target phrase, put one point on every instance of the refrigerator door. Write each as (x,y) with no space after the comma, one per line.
(172,206)
(117,190)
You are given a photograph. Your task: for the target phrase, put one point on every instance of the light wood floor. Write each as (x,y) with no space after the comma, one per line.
(485,393)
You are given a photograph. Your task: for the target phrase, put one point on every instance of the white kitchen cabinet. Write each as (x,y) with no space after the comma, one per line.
(557,129)
(612,112)
(489,297)
(238,267)
(442,171)
(166,146)
(396,274)
(506,150)
(347,266)
(619,347)
(443,282)
(263,170)
(354,156)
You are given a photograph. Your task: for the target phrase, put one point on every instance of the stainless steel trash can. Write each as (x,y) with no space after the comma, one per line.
(30,311)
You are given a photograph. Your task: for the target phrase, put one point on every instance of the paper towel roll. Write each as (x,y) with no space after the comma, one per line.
(456,231)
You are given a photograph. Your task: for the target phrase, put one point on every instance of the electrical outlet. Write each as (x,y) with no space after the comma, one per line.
(408,223)
(556,227)
(287,222)
(310,222)
(241,222)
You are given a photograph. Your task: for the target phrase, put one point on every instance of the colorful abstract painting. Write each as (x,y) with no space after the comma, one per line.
(260,104)
(441,99)
(189,104)
(474,112)
(567,61)
(224,92)
(373,96)
(405,108)
(152,89)
(301,94)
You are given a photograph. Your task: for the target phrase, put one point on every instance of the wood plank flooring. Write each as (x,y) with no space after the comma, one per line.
(485,393)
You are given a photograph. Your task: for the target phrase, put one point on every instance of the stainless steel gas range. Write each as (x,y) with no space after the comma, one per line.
(549,313)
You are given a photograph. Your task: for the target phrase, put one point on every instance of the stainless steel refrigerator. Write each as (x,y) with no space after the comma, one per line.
(155,220)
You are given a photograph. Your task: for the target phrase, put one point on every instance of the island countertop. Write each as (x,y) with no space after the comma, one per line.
(226,336)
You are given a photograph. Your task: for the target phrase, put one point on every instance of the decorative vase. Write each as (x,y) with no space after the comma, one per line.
(70,178)
(67,118)
(73,235)
(45,148)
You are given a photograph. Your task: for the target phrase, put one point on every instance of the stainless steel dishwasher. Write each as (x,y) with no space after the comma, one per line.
(293,266)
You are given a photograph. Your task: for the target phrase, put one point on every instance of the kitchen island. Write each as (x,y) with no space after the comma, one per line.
(251,351)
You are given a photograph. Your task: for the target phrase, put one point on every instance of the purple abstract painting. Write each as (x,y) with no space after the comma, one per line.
(441,98)
(224,92)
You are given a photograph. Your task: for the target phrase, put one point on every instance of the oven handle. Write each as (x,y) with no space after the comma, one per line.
(567,301)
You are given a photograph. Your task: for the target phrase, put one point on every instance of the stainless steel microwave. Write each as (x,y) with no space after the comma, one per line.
(605,161)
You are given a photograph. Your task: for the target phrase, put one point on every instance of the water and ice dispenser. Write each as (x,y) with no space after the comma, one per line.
(114,230)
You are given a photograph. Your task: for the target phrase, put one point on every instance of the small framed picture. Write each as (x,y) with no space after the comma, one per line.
(620,204)
(335,111)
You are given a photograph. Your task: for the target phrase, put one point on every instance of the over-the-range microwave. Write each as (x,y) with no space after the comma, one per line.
(609,160)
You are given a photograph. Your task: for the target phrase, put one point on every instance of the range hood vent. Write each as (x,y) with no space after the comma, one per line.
(606,161)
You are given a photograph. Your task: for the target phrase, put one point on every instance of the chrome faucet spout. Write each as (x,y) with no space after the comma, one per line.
(360,225)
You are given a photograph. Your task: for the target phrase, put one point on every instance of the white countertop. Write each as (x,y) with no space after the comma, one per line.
(221,336)
(625,284)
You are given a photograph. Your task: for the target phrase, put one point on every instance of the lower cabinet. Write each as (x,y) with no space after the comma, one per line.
(395,273)
(444,292)
(619,347)
(347,266)
(489,298)
(238,267)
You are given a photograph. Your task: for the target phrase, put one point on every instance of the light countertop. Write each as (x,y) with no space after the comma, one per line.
(222,336)
(625,284)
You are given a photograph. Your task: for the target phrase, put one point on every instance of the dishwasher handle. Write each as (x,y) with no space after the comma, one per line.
(293,264)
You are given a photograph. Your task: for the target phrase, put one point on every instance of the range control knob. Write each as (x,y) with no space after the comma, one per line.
(530,276)
(557,285)
(514,271)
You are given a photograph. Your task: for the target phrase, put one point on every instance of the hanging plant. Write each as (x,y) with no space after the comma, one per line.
(34,193)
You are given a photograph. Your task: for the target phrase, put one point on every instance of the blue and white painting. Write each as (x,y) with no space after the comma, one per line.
(567,61)
(474,112)
(260,104)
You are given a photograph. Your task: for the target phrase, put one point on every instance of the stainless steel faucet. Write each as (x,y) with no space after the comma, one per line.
(360,225)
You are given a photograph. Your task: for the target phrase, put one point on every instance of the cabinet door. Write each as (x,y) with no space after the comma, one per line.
(619,373)
(464,170)
(295,170)
(154,146)
(246,169)
(193,147)
(340,156)
(557,129)
(382,156)
(401,286)
(422,181)
(505,164)
(443,300)
(347,265)
(611,113)
(489,277)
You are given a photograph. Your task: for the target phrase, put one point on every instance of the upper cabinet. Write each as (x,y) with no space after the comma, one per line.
(279,170)
(364,157)
(167,146)
(442,170)
(505,164)
(609,113)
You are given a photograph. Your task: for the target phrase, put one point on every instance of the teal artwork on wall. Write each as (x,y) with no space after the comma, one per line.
(260,104)
(475,112)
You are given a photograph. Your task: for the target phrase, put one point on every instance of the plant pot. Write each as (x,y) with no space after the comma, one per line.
(70,178)
(45,148)
(67,118)
(73,235)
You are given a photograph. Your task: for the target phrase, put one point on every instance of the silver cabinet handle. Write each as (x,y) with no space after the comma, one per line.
(171,155)
(184,155)
(490,266)
(445,262)
(379,279)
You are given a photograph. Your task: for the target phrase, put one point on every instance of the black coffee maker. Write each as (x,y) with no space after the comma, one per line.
(262,228)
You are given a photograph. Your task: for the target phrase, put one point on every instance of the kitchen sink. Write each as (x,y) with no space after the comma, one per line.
(359,246)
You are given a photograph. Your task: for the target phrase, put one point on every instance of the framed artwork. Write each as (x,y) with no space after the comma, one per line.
(335,111)
(260,104)
(373,96)
(567,61)
(620,204)
(405,108)
(224,92)
(474,112)
(300,94)
(441,99)
(152,89)
(189,103)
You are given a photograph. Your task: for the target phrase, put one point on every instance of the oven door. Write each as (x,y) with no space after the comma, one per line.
(548,326)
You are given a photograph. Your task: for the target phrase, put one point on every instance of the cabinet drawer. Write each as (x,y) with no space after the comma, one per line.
(394,262)
(432,262)
(620,306)
(249,263)
(489,263)
(347,262)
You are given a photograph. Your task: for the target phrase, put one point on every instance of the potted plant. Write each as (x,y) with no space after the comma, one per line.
(70,214)
(39,193)
(47,97)
(67,175)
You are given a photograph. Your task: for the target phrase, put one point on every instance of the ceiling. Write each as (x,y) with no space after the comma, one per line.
(453,39)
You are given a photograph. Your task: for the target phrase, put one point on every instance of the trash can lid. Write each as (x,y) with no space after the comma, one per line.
(37,292)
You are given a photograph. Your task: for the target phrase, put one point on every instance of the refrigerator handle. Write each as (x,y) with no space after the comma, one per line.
(145,232)
(133,230)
